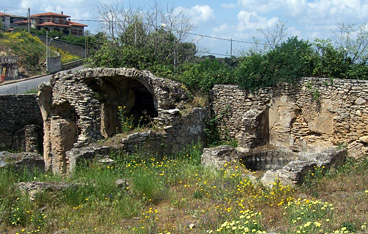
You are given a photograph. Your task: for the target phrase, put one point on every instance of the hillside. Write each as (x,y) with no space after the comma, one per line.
(31,52)
(29,49)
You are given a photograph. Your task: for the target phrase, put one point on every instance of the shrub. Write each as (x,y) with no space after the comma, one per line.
(288,62)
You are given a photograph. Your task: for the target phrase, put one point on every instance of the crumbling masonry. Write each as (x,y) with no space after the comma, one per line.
(78,109)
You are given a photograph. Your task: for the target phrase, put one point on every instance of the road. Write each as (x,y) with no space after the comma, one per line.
(24,86)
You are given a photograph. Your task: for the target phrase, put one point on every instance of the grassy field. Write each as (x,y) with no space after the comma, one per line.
(175,194)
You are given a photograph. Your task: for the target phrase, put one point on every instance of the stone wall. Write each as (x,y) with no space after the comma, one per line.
(72,49)
(21,123)
(313,115)
(54,64)
(72,64)
(81,108)
(187,128)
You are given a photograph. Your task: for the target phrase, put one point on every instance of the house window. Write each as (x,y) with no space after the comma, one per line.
(66,31)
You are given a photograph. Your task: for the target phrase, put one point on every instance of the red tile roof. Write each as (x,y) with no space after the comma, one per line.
(21,22)
(77,24)
(2,14)
(50,14)
(53,24)
(67,23)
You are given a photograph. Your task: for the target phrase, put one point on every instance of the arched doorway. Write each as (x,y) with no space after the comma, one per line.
(123,95)
(66,31)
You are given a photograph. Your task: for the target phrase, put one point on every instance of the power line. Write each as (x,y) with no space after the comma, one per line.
(190,33)
(210,53)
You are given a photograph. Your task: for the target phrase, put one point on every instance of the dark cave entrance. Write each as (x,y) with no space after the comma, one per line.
(123,101)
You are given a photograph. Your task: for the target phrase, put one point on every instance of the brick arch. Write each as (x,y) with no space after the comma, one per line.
(117,93)
(95,95)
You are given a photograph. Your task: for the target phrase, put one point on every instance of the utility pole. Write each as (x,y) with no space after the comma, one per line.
(4,20)
(112,28)
(29,20)
(48,54)
(231,47)
(86,45)
(47,58)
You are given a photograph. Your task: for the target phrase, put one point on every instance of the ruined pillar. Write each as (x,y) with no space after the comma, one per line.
(44,100)
(32,138)
(62,138)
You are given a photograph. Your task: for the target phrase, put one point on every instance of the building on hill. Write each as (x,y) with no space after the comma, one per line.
(51,21)
(9,21)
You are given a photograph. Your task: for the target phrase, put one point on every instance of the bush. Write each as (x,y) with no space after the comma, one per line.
(288,62)
(205,74)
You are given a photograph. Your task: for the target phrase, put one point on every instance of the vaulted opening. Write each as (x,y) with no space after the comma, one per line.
(125,103)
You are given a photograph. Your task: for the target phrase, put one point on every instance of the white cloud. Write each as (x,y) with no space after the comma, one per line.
(315,9)
(221,28)
(77,9)
(295,8)
(304,18)
(292,31)
(197,14)
(262,6)
(228,6)
(251,20)
(338,9)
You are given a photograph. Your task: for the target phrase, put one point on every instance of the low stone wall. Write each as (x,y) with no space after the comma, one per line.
(169,140)
(316,113)
(72,49)
(73,64)
(21,123)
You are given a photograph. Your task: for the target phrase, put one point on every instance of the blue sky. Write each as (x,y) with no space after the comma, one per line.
(236,19)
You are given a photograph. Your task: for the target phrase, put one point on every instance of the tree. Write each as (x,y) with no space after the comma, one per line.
(156,34)
(288,62)
(330,62)
(276,36)
(353,41)
(135,34)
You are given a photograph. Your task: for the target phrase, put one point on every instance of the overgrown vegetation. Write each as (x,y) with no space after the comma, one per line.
(288,62)
(176,194)
(161,50)
(29,49)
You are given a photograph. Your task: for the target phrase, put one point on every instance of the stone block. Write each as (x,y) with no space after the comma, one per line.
(218,156)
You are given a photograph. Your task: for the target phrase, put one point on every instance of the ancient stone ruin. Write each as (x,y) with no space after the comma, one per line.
(310,116)
(284,130)
(79,109)
(290,129)
(21,123)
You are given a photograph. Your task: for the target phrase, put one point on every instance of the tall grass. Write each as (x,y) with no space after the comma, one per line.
(176,194)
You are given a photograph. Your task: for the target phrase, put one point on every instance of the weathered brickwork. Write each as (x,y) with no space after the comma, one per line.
(315,114)
(21,121)
(79,109)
